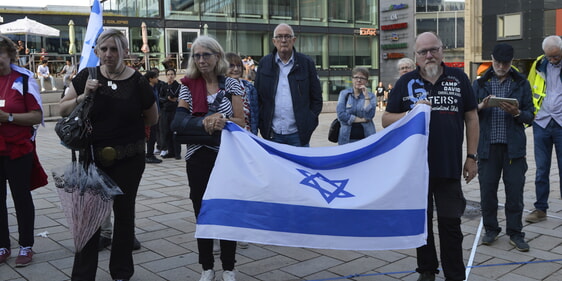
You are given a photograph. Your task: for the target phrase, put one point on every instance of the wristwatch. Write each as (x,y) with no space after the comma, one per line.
(10,118)
(472,156)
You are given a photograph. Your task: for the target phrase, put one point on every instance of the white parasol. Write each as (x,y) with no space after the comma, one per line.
(28,27)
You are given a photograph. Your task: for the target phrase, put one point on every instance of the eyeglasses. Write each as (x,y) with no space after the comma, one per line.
(553,57)
(359,78)
(406,67)
(424,52)
(235,65)
(283,37)
(205,56)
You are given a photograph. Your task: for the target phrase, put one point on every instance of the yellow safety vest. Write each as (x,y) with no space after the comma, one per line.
(538,85)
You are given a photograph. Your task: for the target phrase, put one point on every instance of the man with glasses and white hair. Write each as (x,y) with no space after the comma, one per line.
(546,82)
(449,92)
(289,92)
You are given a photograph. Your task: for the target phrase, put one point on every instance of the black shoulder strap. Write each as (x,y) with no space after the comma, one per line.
(25,81)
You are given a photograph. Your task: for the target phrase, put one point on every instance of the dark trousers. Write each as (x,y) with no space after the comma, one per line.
(17,172)
(489,173)
(199,167)
(152,139)
(127,175)
(167,135)
(450,204)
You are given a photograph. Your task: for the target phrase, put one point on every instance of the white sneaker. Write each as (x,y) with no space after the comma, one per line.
(42,89)
(216,247)
(243,245)
(163,153)
(228,275)
(207,275)
(54,88)
(156,151)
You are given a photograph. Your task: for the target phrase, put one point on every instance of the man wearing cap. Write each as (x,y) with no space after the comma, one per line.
(502,145)
(546,81)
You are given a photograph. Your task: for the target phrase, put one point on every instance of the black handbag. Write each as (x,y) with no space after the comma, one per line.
(334,132)
(189,129)
(75,130)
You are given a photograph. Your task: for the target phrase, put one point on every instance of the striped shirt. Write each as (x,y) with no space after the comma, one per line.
(498,129)
(231,86)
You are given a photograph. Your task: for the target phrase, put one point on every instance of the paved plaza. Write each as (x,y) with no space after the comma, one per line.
(165,226)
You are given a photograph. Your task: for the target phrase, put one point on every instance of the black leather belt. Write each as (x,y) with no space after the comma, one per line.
(108,154)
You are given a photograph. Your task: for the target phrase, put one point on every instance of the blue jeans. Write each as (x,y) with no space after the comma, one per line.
(512,171)
(291,139)
(544,139)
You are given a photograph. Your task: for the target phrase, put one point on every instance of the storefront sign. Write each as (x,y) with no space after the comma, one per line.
(388,56)
(368,31)
(395,26)
(394,46)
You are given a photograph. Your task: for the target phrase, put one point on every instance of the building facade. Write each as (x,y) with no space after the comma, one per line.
(338,35)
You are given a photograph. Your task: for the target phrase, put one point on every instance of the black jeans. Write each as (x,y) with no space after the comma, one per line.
(489,172)
(199,167)
(127,174)
(450,204)
(18,173)
(167,135)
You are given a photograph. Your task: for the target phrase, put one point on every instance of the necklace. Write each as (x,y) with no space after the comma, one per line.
(111,84)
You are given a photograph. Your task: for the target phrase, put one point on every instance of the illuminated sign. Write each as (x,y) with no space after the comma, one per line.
(394,46)
(368,31)
(388,56)
(455,64)
(395,26)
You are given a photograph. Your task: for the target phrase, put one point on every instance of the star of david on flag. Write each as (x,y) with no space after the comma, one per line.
(366,195)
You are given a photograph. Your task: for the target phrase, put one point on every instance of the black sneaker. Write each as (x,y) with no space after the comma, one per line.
(152,159)
(427,276)
(519,243)
(103,243)
(489,238)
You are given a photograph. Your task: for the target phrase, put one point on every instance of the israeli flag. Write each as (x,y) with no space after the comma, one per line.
(366,195)
(95,26)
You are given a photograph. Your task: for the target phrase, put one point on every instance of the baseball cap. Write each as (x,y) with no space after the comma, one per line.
(503,52)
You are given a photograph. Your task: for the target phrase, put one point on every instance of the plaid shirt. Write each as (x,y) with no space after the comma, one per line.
(498,132)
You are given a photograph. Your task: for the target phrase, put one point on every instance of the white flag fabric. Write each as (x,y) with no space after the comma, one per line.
(95,26)
(366,195)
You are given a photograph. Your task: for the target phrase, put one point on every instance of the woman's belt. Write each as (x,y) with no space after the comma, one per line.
(108,154)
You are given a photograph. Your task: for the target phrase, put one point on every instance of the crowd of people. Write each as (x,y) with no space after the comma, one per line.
(282,99)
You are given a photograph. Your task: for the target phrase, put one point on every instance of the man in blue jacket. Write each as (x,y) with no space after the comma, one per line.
(502,144)
(289,92)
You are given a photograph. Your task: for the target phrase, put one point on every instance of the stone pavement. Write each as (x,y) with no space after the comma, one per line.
(166,224)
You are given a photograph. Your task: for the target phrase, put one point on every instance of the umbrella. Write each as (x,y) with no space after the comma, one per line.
(72,38)
(145,48)
(28,27)
(86,195)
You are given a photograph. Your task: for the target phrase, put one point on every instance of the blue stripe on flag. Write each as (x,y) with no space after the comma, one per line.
(95,27)
(312,220)
(386,143)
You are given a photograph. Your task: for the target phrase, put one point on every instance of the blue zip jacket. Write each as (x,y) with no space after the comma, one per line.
(306,94)
(516,139)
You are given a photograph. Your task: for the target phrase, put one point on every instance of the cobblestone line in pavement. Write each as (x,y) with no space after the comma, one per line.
(165,226)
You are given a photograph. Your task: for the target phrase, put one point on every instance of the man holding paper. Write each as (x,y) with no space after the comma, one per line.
(502,144)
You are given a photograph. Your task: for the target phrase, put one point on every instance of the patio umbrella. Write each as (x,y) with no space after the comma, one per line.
(86,195)
(72,38)
(28,27)
(145,48)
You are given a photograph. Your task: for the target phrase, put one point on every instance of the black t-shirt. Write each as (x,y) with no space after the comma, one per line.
(172,91)
(380,91)
(117,112)
(451,97)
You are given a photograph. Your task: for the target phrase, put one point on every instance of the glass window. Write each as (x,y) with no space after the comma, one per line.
(283,9)
(363,51)
(313,12)
(509,26)
(310,44)
(217,9)
(340,51)
(180,9)
(364,10)
(252,9)
(340,12)
(249,43)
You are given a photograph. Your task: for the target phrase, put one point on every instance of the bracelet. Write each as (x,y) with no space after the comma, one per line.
(517,115)
(368,99)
